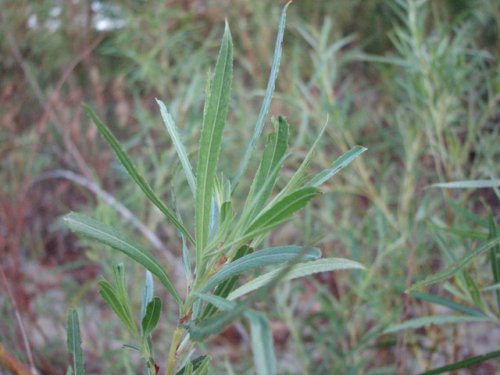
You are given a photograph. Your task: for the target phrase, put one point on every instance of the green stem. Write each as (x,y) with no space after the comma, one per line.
(172,355)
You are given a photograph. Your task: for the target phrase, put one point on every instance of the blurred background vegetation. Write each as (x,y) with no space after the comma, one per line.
(416,82)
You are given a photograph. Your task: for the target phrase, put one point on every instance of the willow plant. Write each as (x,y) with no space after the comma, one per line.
(225,243)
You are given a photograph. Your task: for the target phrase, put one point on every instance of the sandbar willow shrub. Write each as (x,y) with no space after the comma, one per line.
(225,244)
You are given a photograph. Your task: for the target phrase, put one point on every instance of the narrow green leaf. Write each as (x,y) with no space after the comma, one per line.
(269,168)
(74,343)
(262,344)
(446,302)
(95,230)
(210,326)
(456,266)
(283,208)
(112,298)
(224,288)
(300,270)
(195,364)
(468,214)
(133,172)
(215,112)
(469,184)
(151,317)
(436,320)
(261,258)
(217,301)
(495,257)
(337,165)
(259,125)
(491,288)
(147,292)
(299,176)
(179,146)
(471,361)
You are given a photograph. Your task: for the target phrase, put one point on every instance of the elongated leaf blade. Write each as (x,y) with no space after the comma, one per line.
(74,343)
(259,125)
(436,320)
(151,317)
(495,258)
(95,230)
(456,266)
(337,165)
(217,301)
(468,184)
(147,292)
(282,209)
(179,146)
(112,298)
(195,364)
(225,287)
(300,270)
(262,344)
(261,258)
(216,108)
(446,302)
(471,361)
(134,173)
(299,176)
(268,171)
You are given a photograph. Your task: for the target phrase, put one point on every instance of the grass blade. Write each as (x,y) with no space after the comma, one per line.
(456,266)
(133,172)
(262,344)
(179,146)
(434,319)
(151,317)
(95,230)
(471,361)
(74,343)
(259,125)
(337,165)
(468,184)
(216,108)
(261,258)
(300,270)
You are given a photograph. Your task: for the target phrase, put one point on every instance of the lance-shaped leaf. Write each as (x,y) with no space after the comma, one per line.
(261,258)
(134,173)
(151,317)
(214,118)
(259,125)
(495,258)
(436,320)
(299,270)
(282,209)
(225,287)
(471,361)
(147,293)
(74,343)
(456,266)
(337,165)
(112,297)
(431,298)
(194,365)
(262,344)
(269,167)
(95,230)
(468,184)
(179,146)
